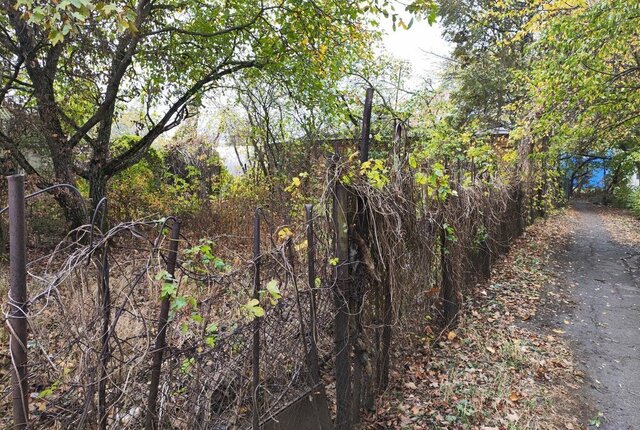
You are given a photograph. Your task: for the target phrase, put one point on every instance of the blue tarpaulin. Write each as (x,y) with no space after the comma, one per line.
(591,175)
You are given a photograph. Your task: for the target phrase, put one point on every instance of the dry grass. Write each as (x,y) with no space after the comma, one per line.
(65,335)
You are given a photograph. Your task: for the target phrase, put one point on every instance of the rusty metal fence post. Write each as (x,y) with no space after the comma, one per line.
(102,263)
(105,352)
(17,323)
(366,125)
(151,420)
(311,273)
(255,361)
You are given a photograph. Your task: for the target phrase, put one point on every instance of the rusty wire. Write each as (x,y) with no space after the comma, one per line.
(209,386)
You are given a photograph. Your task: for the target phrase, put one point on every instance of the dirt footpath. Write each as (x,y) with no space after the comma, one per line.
(604,325)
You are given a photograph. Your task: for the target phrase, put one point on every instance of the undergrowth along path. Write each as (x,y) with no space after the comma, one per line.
(549,342)
(507,364)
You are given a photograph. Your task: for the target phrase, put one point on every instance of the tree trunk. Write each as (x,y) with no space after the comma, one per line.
(97,187)
(71,203)
(42,77)
(72,207)
(99,157)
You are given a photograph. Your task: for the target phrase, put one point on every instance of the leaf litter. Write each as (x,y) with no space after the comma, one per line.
(499,368)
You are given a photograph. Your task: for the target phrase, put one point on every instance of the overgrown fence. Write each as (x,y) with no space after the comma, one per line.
(132,326)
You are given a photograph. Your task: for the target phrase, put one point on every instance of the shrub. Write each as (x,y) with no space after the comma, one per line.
(171,182)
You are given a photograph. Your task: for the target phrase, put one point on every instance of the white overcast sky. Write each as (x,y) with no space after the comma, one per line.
(422,45)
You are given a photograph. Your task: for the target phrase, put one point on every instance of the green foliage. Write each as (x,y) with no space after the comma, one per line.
(450,233)
(140,190)
(201,259)
(81,65)
(202,255)
(569,91)
(629,198)
(252,309)
(303,190)
(211,333)
(187,364)
(50,390)
(376,173)
(490,39)
(435,182)
(149,188)
(169,287)
(63,19)
(597,420)
(480,236)
(184,308)
(582,83)
(274,292)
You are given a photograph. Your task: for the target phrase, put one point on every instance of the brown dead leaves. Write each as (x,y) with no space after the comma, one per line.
(496,370)
(622,225)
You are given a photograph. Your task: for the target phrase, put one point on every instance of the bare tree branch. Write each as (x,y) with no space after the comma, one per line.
(11,79)
(10,145)
(133,154)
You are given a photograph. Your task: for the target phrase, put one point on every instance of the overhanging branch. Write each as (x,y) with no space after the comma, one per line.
(8,144)
(135,153)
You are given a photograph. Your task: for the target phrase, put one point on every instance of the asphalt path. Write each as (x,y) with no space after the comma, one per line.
(604,327)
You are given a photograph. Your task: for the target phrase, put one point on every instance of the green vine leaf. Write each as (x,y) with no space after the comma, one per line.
(253,309)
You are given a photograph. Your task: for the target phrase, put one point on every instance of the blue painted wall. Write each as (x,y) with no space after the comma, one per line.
(597,173)
(597,177)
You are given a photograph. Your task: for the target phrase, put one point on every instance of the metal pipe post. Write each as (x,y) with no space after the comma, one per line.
(17,302)
(151,421)
(256,324)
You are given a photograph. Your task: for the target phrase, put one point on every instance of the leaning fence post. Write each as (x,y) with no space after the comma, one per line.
(17,302)
(311,272)
(360,380)
(366,125)
(255,362)
(151,421)
(341,300)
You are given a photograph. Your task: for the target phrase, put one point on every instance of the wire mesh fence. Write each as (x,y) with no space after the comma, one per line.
(90,362)
(134,326)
